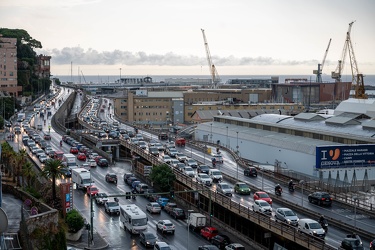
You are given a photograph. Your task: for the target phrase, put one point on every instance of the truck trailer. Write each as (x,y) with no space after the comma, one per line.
(82,177)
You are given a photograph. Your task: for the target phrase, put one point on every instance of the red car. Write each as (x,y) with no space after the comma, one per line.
(262,196)
(98,158)
(74,150)
(92,190)
(209,232)
(81,157)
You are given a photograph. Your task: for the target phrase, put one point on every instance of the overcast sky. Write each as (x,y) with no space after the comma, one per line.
(163,37)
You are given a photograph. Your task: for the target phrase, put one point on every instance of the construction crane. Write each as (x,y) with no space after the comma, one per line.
(319,71)
(213,72)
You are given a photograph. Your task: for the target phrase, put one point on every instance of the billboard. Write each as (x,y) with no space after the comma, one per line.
(345,156)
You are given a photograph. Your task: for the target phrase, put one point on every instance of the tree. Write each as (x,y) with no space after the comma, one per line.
(29,173)
(74,220)
(53,169)
(163,176)
(20,160)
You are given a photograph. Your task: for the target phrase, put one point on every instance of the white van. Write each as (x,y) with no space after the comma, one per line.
(311,227)
(215,175)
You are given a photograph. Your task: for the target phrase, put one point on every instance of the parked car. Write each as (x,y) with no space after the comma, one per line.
(209,232)
(287,216)
(320,198)
(224,188)
(130,180)
(165,226)
(221,241)
(250,171)
(260,195)
(178,213)
(111,177)
(153,208)
(147,238)
(262,206)
(241,188)
(127,175)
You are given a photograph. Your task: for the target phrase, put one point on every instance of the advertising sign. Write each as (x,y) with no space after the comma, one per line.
(345,156)
(66,194)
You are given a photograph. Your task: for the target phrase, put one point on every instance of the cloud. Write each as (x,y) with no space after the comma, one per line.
(94,57)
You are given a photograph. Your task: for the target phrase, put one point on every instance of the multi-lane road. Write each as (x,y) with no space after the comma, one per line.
(110,227)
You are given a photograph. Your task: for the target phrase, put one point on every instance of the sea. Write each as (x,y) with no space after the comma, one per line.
(368,79)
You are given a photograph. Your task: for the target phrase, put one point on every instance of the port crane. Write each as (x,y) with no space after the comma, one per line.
(213,72)
(357,78)
(319,71)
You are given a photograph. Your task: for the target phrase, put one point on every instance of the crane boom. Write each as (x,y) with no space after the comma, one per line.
(340,66)
(318,72)
(213,72)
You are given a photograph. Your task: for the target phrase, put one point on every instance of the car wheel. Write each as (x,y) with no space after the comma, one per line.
(310,200)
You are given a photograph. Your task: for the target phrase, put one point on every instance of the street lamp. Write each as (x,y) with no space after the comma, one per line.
(302,182)
(227,139)
(188,231)
(355,198)
(120,76)
(211,132)
(237,154)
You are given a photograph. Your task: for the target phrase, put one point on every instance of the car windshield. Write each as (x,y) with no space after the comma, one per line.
(139,222)
(216,173)
(315,226)
(224,186)
(263,204)
(289,213)
(112,204)
(188,169)
(242,185)
(204,176)
(150,236)
(263,195)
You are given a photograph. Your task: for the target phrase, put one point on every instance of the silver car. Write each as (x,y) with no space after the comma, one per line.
(224,188)
(287,216)
(262,206)
(153,208)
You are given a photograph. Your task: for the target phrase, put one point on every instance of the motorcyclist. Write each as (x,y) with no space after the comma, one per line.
(291,185)
(61,143)
(278,188)
(322,219)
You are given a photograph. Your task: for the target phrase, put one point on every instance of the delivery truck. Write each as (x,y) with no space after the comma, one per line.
(196,221)
(81,177)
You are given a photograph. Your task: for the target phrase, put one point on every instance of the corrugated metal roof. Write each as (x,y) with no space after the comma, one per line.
(165,94)
(342,120)
(309,117)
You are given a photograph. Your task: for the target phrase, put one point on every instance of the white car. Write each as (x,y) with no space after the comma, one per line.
(262,206)
(43,158)
(191,163)
(224,188)
(189,171)
(174,162)
(153,208)
(165,226)
(181,157)
(204,179)
(92,163)
(166,159)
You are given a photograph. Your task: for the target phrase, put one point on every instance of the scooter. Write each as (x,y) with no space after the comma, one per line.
(292,188)
(278,192)
(324,225)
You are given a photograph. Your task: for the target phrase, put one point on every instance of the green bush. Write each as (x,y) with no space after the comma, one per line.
(74,220)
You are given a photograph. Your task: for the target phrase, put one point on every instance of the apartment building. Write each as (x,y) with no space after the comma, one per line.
(8,66)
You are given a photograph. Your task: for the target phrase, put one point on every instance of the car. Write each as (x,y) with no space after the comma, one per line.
(141,188)
(154,151)
(208,247)
(178,213)
(112,207)
(163,136)
(43,158)
(351,244)
(172,152)
(174,163)
(311,227)
(220,240)
(142,144)
(127,175)
(92,190)
(250,171)
(93,155)
(135,183)
(161,245)
(215,175)
(47,137)
(181,157)
(262,206)
(203,169)
(241,188)
(153,208)
(320,198)
(66,172)
(287,216)
(165,226)
(92,163)
(48,150)
(166,159)
(151,196)
(260,195)
(101,198)
(180,167)
(169,206)
(39,152)
(130,180)
(224,188)
(209,232)
(102,163)
(189,171)
(97,158)
(43,144)
(218,158)
(34,149)
(191,163)
(372,245)
(81,157)
(147,238)
(74,150)
(159,146)
(235,246)
(204,179)
(162,201)
(111,177)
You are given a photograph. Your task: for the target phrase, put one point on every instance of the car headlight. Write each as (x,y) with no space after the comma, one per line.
(314,232)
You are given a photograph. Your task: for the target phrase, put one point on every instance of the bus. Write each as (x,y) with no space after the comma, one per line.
(133,218)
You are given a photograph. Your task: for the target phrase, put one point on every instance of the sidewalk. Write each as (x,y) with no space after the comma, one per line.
(98,241)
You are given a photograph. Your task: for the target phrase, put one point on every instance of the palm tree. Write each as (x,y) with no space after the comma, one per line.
(20,160)
(53,169)
(29,173)
(6,156)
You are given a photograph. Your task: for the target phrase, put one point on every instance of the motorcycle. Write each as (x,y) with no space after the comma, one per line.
(278,192)
(133,192)
(292,188)
(324,225)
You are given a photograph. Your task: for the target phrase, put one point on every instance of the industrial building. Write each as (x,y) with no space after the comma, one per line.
(291,143)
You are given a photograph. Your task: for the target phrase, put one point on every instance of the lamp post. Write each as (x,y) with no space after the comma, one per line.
(188,231)
(120,76)
(227,144)
(355,198)
(302,182)
(211,133)
(237,152)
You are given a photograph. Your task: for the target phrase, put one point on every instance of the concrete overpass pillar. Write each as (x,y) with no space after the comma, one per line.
(117,152)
